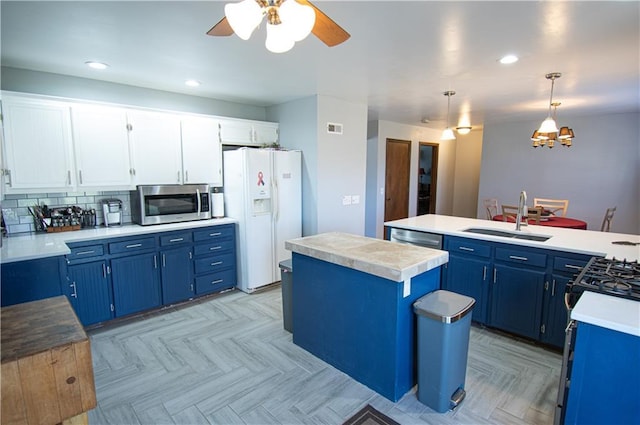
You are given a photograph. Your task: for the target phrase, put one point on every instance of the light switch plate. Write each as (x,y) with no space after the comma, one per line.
(346,200)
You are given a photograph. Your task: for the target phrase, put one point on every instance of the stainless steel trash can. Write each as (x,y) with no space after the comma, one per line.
(286,282)
(444,323)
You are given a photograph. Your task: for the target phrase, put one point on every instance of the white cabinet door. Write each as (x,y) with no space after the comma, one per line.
(38,146)
(265,133)
(237,132)
(155,147)
(201,154)
(101,143)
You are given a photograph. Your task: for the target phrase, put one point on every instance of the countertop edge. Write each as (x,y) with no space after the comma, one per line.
(609,312)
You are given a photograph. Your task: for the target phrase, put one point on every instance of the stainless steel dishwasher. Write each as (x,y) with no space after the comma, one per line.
(416,237)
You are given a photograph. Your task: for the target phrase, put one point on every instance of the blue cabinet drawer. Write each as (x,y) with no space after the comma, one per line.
(175,239)
(216,232)
(213,248)
(214,282)
(569,265)
(467,247)
(79,252)
(211,264)
(521,257)
(132,245)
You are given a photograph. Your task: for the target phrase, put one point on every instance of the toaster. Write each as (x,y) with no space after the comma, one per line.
(112,211)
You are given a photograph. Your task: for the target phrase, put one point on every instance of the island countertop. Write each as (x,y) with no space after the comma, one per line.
(389,260)
(587,242)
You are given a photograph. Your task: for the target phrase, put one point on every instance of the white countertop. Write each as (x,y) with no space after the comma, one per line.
(41,245)
(389,260)
(570,240)
(618,314)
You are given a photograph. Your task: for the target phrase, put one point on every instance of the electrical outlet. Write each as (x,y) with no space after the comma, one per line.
(346,200)
(355,199)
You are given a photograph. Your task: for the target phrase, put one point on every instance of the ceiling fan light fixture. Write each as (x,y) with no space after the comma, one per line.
(278,39)
(297,18)
(463,130)
(243,17)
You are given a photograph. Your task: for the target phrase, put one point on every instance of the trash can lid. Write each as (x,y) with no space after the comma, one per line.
(286,266)
(444,306)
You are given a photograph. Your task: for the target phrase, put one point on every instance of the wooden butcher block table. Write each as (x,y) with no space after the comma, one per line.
(47,375)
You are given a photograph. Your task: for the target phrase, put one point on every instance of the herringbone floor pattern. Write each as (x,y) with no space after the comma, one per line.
(228,360)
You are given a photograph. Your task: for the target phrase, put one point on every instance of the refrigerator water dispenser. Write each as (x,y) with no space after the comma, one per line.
(262,206)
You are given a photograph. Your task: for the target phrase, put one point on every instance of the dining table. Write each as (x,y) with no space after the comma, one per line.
(551,221)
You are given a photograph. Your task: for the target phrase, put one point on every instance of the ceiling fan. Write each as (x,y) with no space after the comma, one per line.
(288,21)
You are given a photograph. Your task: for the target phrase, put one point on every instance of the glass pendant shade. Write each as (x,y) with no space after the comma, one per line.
(447,134)
(243,17)
(298,19)
(548,126)
(278,39)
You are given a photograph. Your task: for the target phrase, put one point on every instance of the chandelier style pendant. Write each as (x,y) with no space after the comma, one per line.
(548,133)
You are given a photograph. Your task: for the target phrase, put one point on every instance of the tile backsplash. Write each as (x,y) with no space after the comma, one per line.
(18,220)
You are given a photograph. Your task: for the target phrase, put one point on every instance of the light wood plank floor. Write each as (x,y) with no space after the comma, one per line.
(228,360)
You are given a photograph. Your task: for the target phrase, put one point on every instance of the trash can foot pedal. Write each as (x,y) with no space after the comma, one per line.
(457,397)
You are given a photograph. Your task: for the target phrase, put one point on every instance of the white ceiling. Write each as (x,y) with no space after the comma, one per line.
(401,57)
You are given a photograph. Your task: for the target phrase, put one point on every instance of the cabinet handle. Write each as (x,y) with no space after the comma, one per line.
(164,261)
(85,252)
(135,245)
(516,257)
(484,273)
(69,177)
(155,262)
(176,240)
(213,248)
(190,255)
(213,282)
(75,292)
(178,176)
(464,248)
(495,275)
(80,176)
(553,288)
(217,263)
(215,234)
(571,266)
(104,271)
(186,176)
(191,286)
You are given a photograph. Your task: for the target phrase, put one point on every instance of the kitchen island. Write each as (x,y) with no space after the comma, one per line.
(352,305)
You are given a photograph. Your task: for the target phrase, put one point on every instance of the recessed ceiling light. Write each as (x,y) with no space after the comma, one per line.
(192,83)
(96,65)
(508,59)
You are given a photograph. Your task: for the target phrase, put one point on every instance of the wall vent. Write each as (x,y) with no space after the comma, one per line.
(334,128)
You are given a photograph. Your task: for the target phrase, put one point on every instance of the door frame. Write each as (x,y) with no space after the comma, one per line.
(433,190)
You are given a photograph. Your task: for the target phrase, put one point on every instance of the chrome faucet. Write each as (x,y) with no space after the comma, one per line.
(522,211)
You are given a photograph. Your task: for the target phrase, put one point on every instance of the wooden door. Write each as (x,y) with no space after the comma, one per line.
(396,187)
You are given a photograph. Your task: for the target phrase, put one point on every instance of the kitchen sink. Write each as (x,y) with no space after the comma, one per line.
(508,234)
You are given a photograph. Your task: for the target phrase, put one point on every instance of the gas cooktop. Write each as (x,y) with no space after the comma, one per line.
(619,278)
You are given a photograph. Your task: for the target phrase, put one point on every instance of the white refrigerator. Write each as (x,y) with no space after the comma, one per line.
(263,191)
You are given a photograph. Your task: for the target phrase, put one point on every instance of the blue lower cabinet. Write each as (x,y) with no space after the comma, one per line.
(177,275)
(89,292)
(216,282)
(516,300)
(469,276)
(555,322)
(31,280)
(136,283)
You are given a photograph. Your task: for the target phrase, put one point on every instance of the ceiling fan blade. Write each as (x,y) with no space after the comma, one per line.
(222,28)
(325,28)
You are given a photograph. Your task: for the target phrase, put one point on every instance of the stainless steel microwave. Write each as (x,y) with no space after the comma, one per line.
(171,203)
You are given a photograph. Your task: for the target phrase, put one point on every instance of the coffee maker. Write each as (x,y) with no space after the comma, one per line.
(112,211)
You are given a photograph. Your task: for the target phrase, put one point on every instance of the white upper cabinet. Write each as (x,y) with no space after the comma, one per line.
(38,145)
(242,132)
(201,153)
(154,140)
(101,147)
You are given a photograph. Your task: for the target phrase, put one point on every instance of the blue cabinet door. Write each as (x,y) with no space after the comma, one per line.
(468,276)
(89,292)
(136,283)
(555,322)
(516,300)
(31,280)
(177,275)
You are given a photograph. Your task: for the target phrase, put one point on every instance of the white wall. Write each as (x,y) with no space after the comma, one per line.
(44,83)
(600,170)
(467,173)
(379,132)
(335,165)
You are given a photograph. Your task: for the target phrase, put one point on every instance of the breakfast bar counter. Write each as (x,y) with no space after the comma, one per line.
(352,305)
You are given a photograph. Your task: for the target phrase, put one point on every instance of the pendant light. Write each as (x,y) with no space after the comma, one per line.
(549,124)
(447,134)
(548,132)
